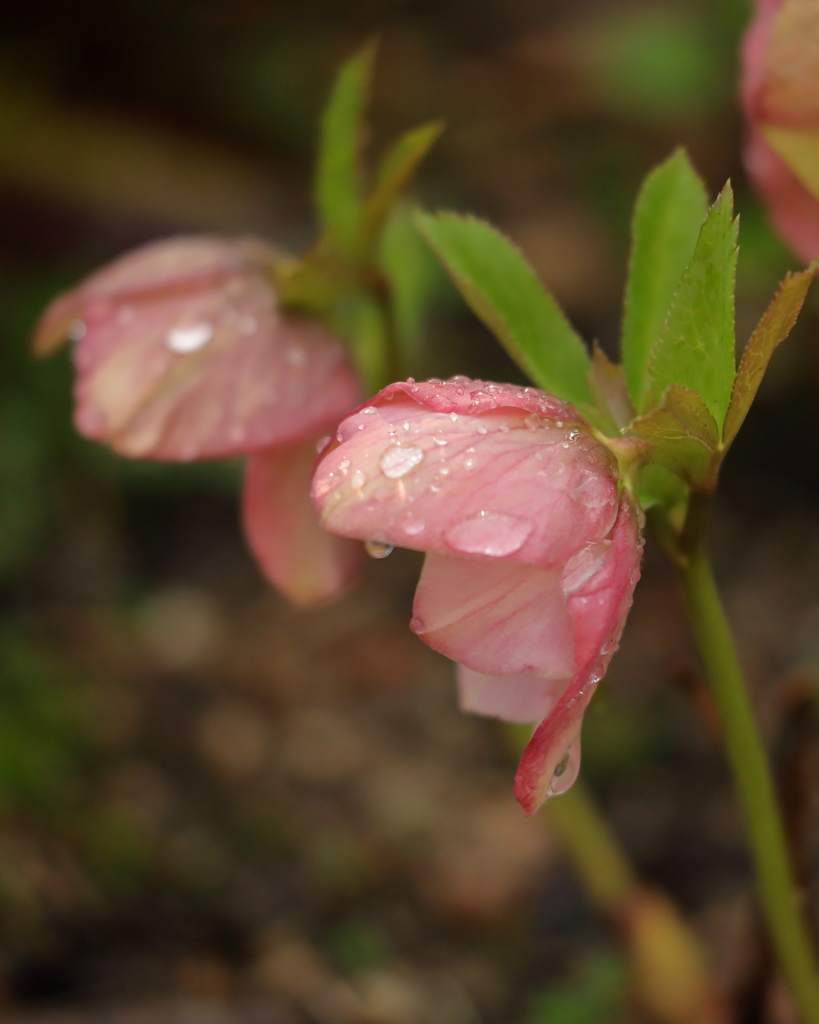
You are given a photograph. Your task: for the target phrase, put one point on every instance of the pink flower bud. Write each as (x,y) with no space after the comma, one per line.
(780,97)
(532,549)
(182,353)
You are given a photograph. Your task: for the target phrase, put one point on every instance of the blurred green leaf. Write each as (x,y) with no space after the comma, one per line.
(655,63)
(771,330)
(660,486)
(414,277)
(668,216)
(502,289)
(338,183)
(357,945)
(597,996)
(397,167)
(360,319)
(696,348)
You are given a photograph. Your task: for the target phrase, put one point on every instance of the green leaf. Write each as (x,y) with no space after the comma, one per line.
(396,168)
(414,276)
(338,185)
(360,321)
(667,218)
(696,348)
(503,290)
(608,385)
(682,436)
(772,329)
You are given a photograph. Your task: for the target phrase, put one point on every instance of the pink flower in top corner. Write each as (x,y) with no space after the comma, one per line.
(182,352)
(532,549)
(780,98)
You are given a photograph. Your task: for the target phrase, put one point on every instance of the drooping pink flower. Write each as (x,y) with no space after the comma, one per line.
(532,549)
(780,98)
(182,352)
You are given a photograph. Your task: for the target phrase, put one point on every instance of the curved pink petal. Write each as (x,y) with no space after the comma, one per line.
(500,618)
(780,89)
(498,482)
(794,211)
(598,608)
(304,562)
(183,353)
(786,39)
(753,52)
(524,697)
(171,264)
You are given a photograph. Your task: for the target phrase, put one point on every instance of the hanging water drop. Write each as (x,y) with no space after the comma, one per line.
(76,332)
(377,548)
(566,770)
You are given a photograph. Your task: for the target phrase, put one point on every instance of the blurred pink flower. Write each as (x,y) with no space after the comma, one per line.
(181,353)
(780,97)
(532,549)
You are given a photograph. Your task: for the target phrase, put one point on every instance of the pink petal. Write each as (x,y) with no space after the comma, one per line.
(304,562)
(207,373)
(788,90)
(793,210)
(184,354)
(500,618)
(598,609)
(500,483)
(754,49)
(524,697)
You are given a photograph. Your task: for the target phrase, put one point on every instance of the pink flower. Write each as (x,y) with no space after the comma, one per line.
(183,353)
(532,548)
(780,97)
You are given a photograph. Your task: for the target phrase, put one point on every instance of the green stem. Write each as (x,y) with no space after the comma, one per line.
(775,879)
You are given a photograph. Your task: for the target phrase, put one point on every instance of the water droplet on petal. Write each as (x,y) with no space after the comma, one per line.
(417,625)
(368,410)
(481,429)
(344,465)
(566,770)
(377,548)
(357,480)
(76,332)
(397,461)
(296,355)
(188,339)
(414,526)
(490,533)
(532,421)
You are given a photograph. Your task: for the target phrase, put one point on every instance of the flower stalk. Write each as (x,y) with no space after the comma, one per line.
(776,883)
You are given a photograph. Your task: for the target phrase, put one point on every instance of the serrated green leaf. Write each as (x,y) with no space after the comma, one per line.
(502,289)
(696,348)
(338,191)
(683,436)
(396,168)
(771,330)
(670,210)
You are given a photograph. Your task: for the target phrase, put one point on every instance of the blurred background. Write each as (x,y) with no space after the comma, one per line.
(214,808)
